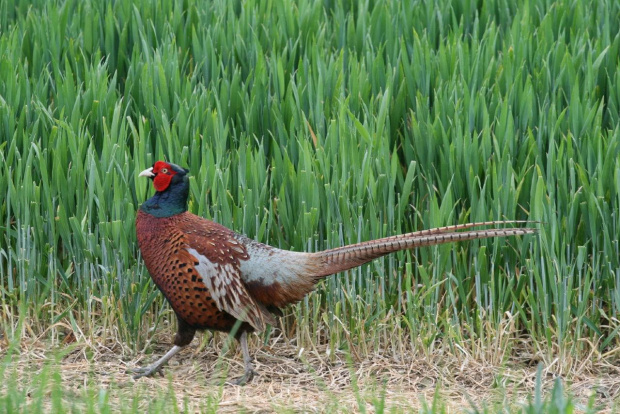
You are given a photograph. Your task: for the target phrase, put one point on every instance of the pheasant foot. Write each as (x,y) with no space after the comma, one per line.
(245,378)
(155,366)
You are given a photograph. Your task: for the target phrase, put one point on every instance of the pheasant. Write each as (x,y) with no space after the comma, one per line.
(220,280)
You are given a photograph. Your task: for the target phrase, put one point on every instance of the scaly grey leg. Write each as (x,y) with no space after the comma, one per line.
(247,361)
(156,366)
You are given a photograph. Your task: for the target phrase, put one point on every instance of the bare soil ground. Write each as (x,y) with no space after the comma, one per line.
(310,380)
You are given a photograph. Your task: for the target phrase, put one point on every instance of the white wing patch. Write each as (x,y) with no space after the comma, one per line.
(227,290)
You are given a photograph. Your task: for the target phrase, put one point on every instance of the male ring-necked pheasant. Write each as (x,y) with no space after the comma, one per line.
(215,278)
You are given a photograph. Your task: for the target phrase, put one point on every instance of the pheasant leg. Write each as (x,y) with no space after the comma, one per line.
(155,366)
(247,362)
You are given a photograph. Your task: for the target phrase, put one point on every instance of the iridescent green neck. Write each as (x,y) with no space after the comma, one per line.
(170,202)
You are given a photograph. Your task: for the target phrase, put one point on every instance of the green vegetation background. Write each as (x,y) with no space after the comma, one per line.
(309,125)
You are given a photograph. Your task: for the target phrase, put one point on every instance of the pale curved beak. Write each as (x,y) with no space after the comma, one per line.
(147,173)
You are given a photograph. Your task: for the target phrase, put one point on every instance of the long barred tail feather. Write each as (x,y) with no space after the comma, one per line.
(347,257)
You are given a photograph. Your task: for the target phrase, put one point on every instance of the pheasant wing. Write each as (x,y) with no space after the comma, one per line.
(216,255)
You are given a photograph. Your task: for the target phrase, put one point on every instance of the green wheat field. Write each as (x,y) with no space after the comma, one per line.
(308,125)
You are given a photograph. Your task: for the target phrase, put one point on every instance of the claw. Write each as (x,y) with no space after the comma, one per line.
(156,366)
(245,378)
(147,371)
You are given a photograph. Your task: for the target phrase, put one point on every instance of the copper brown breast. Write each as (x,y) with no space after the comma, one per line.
(164,248)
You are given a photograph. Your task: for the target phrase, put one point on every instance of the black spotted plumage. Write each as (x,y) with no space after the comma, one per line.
(167,244)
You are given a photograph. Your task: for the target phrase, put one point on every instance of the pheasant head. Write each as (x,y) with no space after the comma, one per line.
(172,189)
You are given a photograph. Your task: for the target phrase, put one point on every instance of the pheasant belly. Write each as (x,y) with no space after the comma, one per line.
(173,271)
(191,301)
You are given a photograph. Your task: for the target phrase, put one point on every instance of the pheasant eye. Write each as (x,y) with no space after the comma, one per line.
(164,170)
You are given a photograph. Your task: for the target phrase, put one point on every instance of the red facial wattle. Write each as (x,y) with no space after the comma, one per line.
(163,175)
